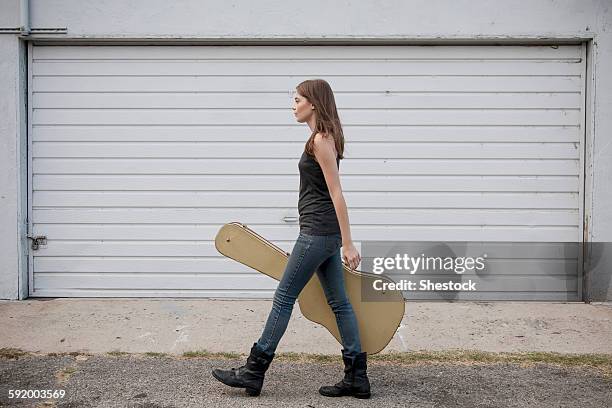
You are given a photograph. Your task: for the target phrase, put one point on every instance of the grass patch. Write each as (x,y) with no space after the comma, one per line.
(11,353)
(208,354)
(602,362)
(490,357)
(154,354)
(308,358)
(117,353)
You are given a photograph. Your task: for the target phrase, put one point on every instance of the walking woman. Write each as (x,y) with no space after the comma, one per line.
(324,228)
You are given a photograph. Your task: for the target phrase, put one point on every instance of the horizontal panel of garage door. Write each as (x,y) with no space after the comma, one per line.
(140,153)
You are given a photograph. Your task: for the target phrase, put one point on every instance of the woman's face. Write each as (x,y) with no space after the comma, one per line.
(302,109)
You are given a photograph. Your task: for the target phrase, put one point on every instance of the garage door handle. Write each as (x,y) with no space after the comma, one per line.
(290,218)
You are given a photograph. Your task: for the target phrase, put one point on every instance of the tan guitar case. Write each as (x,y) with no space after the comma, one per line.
(379,315)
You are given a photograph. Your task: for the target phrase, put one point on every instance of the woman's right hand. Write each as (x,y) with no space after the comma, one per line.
(350,255)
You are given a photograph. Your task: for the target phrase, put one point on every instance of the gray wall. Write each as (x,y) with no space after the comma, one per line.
(444,21)
(13,193)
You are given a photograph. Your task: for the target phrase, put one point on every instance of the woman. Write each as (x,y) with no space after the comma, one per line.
(324,227)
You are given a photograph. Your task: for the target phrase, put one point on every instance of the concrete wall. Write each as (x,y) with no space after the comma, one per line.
(466,21)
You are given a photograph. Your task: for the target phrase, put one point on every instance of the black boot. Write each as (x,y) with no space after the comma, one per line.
(249,376)
(355,381)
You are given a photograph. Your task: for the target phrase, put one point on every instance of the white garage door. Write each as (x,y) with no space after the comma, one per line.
(140,153)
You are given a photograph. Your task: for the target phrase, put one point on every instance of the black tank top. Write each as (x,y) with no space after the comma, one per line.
(315,206)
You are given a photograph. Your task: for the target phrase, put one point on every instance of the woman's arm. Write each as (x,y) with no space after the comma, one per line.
(325,153)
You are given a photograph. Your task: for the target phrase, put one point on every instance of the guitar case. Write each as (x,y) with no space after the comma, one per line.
(378,313)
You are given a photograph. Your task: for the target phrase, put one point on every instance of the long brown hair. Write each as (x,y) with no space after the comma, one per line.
(319,93)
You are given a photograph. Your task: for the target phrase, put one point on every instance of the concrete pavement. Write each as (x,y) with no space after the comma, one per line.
(98,325)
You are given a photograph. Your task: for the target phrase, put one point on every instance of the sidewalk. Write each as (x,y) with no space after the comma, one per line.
(174,326)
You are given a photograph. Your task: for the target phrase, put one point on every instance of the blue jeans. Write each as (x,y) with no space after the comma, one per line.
(310,253)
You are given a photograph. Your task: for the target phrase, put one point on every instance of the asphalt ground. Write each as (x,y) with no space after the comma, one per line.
(156,381)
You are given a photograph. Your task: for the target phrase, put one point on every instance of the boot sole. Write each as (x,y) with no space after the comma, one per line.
(250,391)
(333,395)
(360,395)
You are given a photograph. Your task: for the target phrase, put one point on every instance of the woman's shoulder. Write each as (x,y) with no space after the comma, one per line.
(322,139)
(323,136)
